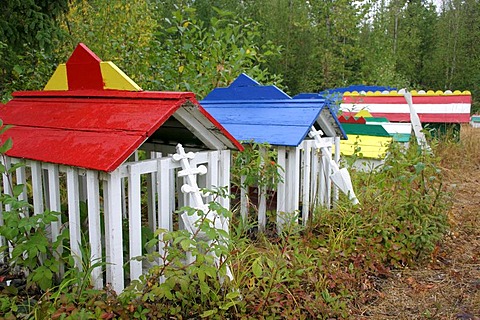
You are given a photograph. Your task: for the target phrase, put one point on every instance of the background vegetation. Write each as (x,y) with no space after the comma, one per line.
(198,45)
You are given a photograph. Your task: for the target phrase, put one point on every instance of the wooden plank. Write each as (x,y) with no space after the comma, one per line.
(7,180)
(151,195)
(135,223)
(205,134)
(336,158)
(293,179)
(314,164)
(224,176)
(37,187)
(306,167)
(98,150)
(113,223)
(22,180)
(281,189)
(244,200)
(213,179)
(164,195)
(328,182)
(262,198)
(74,224)
(94,226)
(54,197)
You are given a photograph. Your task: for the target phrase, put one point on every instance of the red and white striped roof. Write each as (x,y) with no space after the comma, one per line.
(431,106)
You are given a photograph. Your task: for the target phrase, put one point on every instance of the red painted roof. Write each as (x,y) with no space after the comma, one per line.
(95,131)
(89,127)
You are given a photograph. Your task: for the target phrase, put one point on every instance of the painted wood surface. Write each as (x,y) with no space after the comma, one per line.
(265,114)
(445,107)
(370,146)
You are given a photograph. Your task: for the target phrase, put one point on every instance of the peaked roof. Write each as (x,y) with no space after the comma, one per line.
(86,121)
(266,114)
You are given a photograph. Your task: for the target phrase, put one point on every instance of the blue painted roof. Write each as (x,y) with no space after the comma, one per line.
(265,114)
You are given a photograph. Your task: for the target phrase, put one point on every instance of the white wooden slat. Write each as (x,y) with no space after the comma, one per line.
(336,158)
(324,179)
(106,231)
(22,180)
(74,216)
(7,180)
(172,187)
(151,192)
(82,187)
(134,223)
(94,226)
(46,189)
(314,177)
(113,223)
(243,199)
(224,176)
(293,179)
(223,172)
(328,182)
(54,197)
(212,178)
(164,194)
(55,206)
(124,199)
(37,187)
(307,150)
(262,209)
(262,199)
(281,188)
(151,200)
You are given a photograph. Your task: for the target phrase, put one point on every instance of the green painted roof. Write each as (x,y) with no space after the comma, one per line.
(365,130)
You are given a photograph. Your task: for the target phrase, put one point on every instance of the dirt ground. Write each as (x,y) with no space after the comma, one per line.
(447,286)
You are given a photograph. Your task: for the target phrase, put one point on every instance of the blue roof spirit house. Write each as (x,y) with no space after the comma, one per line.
(252,112)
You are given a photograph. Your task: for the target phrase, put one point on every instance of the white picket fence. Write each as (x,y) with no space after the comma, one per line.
(305,184)
(114,205)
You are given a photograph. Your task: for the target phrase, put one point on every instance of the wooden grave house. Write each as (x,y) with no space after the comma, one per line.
(265,114)
(80,139)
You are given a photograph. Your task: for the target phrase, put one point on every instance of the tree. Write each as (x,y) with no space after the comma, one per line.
(29,30)
(194,56)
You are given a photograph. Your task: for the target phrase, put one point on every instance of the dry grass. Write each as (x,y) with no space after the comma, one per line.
(447,286)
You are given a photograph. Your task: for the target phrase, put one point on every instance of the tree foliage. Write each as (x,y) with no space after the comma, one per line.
(199,44)
(28,31)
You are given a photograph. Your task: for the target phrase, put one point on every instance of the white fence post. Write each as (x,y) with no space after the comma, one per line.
(74,215)
(134,222)
(113,223)
(281,188)
(94,227)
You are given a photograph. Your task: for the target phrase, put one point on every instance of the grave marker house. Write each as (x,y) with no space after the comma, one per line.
(79,140)
(265,114)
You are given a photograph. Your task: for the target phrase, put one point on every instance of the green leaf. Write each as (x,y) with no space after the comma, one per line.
(208,313)
(7,145)
(257,268)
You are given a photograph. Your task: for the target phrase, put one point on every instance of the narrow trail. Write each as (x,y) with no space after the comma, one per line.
(447,286)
